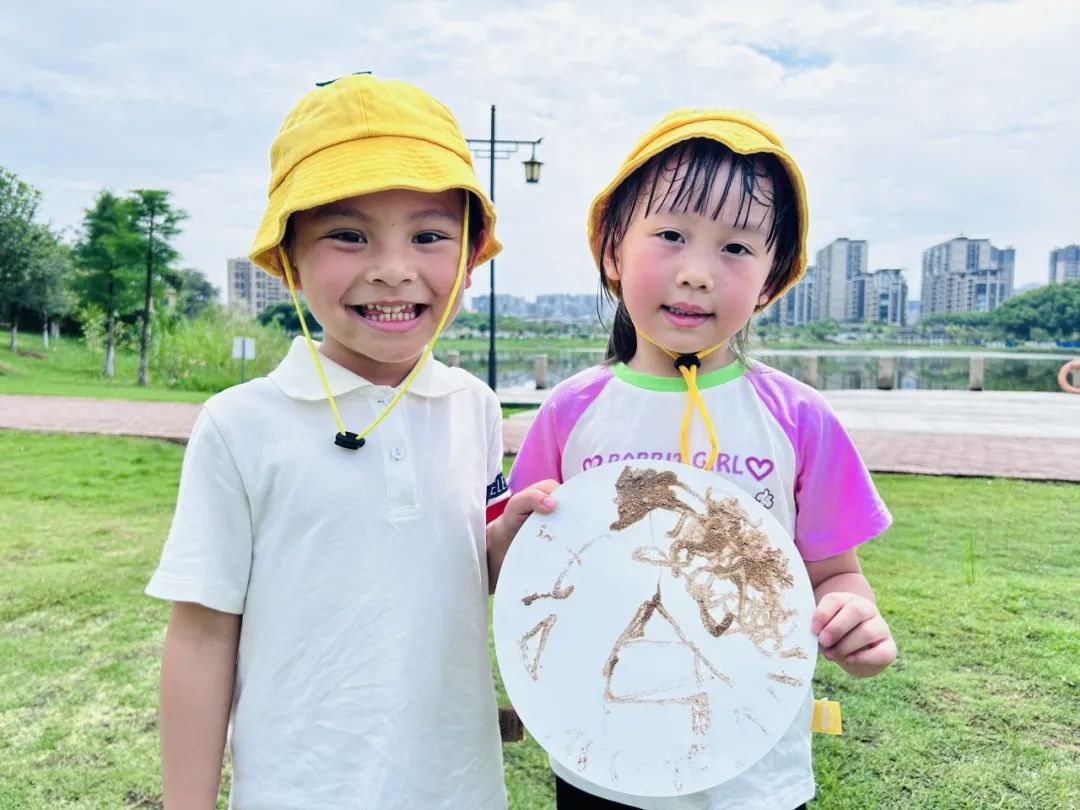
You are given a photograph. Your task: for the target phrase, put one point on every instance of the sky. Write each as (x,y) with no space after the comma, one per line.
(913,122)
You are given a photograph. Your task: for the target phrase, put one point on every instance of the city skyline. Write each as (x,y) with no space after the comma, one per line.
(908,123)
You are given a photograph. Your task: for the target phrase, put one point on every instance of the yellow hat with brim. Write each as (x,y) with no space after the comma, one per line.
(359,135)
(742,133)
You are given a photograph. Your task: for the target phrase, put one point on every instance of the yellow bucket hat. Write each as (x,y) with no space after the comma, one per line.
(741,132)
(359,135)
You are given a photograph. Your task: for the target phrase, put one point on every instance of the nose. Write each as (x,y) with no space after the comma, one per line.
(389,266)
(693,274)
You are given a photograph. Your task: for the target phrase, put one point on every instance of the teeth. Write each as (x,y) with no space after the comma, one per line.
(385,312)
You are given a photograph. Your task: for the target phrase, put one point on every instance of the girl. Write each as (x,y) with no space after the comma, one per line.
(703,226)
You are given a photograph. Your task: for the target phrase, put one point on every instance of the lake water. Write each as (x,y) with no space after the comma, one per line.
(835,370)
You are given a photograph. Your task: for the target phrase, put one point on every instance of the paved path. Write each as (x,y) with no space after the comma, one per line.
(1008,434)
(120,417)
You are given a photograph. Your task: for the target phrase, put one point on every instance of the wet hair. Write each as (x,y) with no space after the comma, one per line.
(680,179)
(476,220)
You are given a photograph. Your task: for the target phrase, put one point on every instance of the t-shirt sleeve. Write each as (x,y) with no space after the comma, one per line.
(540,455)
(207,556)
(837,505)
(497,491)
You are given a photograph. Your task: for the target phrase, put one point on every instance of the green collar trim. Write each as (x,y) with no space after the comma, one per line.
(652,382)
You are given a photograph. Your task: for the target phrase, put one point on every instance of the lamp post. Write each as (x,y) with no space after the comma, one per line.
(494,149)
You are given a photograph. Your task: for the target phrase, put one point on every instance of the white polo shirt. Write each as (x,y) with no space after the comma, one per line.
(363,678)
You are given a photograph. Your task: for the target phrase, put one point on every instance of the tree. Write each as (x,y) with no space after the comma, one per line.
(971,328)
(472,321)
(284,315)
(18,236)
(48,290)
(1054,309)
(105,256)
(156,223)
(194,292)
(823,330)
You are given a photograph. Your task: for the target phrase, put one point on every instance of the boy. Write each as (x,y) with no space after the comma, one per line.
(329,601)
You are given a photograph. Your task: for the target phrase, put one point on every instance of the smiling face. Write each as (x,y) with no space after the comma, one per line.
(693,264)
(377,272)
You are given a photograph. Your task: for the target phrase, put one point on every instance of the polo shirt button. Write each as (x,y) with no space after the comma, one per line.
(397,453)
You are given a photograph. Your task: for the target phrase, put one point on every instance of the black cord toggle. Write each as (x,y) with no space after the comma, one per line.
(687,361)
(349,440)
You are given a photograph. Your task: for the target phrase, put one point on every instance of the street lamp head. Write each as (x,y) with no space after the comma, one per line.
(532,165)
(532,170)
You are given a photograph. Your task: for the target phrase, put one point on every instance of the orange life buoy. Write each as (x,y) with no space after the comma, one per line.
(1063,377)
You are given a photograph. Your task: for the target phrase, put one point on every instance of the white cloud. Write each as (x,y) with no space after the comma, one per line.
(913,122)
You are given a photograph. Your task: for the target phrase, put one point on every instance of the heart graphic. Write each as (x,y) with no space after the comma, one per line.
(592,461)
(759,467)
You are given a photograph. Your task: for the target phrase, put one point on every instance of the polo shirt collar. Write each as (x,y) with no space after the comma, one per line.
(297,378)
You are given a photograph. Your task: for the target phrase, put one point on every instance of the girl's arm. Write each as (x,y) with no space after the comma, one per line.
(198,671)
(847,622)
(501,531)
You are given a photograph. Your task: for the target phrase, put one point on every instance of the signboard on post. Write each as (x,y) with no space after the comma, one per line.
(243,349)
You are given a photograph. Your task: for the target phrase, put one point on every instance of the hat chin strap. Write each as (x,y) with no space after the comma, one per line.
(346,438)
(688,364)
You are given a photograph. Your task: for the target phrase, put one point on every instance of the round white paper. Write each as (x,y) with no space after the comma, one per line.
(616,668)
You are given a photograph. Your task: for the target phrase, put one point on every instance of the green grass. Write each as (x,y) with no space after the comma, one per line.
(981,710)
(510,410)
(68,368)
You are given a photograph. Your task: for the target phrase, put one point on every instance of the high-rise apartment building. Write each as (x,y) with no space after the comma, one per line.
(252,290)
(1065,264)
(885,297)
(799,304)
(966,275)
(839,291)
(855,308)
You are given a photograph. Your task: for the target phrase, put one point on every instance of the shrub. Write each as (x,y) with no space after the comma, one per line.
(195,354)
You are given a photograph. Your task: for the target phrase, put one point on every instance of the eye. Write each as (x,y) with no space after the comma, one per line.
(349,237)
(737,249)
(670,236)
(428,237)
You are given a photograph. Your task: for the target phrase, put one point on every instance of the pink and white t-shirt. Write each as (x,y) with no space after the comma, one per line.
(778,440)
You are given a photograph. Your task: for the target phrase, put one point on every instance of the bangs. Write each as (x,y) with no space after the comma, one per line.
(682,180)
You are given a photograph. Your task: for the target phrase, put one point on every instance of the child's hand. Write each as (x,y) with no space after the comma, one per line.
(852,632)
(502,531)
(536,498)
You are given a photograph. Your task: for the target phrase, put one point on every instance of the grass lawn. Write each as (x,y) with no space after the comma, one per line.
(979,579)
(68,368)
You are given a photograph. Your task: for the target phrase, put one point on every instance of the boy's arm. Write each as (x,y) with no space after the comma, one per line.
(847,622)
(198,671)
